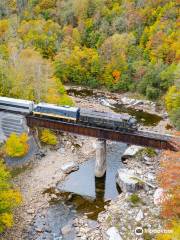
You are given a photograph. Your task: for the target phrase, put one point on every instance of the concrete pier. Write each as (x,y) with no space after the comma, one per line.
(100,165)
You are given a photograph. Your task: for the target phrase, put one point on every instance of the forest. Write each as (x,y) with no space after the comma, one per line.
(118,45)
(122,45)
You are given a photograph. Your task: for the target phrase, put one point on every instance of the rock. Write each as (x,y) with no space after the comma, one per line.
(147,160)
(158,196)
(139,216)
(105,102)
(39,230)
(69,167)
(150,176)
(93,224)
(66,229)
(53,196)
(113,234)
(127,181)
(131,151)
(30,211)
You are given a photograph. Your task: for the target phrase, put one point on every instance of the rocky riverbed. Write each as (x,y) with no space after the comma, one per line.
(44,173)
(44,214)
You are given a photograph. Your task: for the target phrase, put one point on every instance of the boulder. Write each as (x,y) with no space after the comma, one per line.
(127,181)
(139,216)
(158,196)
(66,229)
(131,151)
(69,167)
(113,234)
(105,102)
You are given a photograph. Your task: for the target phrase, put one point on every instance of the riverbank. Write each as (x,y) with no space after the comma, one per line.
(44,173)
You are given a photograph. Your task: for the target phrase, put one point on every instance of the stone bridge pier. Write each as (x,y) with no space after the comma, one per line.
(100,165)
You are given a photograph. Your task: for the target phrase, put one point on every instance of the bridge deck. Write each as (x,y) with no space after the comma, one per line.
(137,138)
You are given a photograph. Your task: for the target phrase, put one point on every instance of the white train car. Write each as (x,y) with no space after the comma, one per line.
(16,105)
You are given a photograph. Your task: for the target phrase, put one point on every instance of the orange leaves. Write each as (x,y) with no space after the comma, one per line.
(116,75)
(169,179)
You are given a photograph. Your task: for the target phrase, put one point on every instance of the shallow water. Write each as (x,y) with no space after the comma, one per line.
(80,93)
(88,194)
(143,118)
(81,193)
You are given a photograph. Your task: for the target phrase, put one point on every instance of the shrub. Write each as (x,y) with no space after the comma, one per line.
(174,232)
(17,146)
(9,198)
(48,137)
(169,179)
(150,152)
(134,198)
(175,118)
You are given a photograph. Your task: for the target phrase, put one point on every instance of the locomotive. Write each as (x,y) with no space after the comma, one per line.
(122,122)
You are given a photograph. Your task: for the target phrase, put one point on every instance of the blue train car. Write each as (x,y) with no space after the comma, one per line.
(54,111)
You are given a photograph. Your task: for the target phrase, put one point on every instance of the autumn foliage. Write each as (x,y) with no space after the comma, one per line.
(9,198)
(17,146)
(48,137)
(169,179)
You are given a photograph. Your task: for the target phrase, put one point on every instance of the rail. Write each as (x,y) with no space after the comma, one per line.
(140,138)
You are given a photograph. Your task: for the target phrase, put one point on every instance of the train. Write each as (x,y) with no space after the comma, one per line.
(122,122)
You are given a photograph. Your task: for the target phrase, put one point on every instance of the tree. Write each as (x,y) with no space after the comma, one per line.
(172,100)
(80,66)
(169,179)
(17,146)
(9,198)
(27,75)
(43,35)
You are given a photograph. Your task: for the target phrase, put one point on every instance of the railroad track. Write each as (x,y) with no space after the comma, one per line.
(140,138)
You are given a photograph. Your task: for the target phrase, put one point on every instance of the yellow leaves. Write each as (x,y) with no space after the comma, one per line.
(17,146)
(7,219)
(9,198)
(116,9)
(172,98)
(173,233)
(48,137)
(4,27)
(46,4)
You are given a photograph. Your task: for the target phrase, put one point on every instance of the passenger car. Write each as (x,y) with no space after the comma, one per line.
(16,105)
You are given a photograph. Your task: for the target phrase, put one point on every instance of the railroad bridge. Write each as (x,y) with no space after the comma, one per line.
(17,123)
(140,138)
